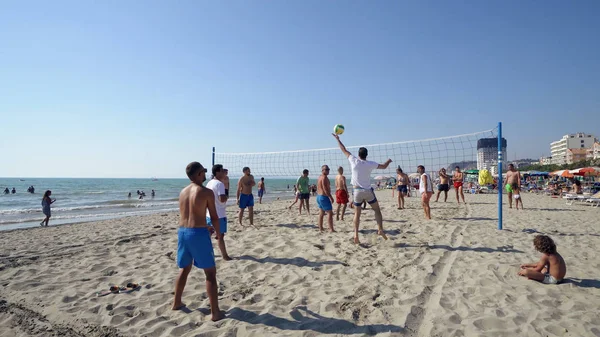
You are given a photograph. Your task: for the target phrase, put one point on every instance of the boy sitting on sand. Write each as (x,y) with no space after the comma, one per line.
(551,268)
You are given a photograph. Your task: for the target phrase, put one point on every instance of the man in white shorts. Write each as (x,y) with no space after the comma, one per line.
(361,183)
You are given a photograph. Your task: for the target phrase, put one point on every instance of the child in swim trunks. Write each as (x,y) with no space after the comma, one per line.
(516,191)
(551,269)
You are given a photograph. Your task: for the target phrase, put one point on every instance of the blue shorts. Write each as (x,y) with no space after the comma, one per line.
(402,188)
(246,200)
(194,245)
(324,203)
(222,224)
(260,193)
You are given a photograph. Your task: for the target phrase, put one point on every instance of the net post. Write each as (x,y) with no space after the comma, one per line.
(213,157)
(500,184)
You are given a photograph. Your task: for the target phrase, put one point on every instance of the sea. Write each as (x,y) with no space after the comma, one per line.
(92,199)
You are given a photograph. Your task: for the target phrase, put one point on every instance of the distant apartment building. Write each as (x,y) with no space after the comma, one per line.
(545,160)
(593,152)
(573,141)
(487,152)
(576,155)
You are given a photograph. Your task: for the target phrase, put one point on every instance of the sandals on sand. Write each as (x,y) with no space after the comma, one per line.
(119,289)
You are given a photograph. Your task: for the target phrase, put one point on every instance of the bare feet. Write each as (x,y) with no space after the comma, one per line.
(227,258)
(331,230)
(380,232)
(217,317)
(178,306)
(356,241)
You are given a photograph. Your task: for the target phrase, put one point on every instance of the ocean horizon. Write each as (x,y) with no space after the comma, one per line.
(92,199)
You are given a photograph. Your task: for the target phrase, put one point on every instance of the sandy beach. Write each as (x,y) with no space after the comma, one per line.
(455,275)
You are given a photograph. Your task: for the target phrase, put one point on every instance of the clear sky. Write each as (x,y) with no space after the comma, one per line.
(141,88)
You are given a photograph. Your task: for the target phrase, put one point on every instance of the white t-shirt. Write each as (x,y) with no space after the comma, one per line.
(361,171)
(422,183)
(218,189)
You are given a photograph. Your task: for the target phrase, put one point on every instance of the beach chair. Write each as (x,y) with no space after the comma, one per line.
(594,200)
(571,198)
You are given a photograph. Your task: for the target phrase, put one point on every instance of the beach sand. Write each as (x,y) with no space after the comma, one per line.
(455,275)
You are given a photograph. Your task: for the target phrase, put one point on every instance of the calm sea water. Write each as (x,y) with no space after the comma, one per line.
(80,200)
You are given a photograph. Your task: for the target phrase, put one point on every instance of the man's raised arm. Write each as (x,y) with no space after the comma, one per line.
(342,147)
(384,165)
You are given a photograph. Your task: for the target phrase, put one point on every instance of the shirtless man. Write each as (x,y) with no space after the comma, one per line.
(261,189)
(341,193)
(512,177)
(402,186)
(324,199)
(361,183)
(245,198)
(458,178)
(443,187)
(194,245)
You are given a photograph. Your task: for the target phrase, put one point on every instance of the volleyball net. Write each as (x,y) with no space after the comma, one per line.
(434,154)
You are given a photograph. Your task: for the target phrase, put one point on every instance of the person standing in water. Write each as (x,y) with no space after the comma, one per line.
(46,202)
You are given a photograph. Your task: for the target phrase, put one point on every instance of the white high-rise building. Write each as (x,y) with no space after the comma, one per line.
(487,152)
(578,140)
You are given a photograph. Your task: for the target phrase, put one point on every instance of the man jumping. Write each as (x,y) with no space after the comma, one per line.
(361,182)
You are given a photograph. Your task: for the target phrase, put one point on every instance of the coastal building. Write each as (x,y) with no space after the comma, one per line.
(546,161)
(487,152)
(578,140)
(593,152)
(575,155)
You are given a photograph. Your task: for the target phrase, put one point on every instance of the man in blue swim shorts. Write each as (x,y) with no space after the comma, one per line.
(218,188)
(245,198)
(324,198)
(194,246)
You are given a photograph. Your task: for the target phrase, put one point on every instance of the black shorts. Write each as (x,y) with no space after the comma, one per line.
(227,192)
(443,187)
(304,196)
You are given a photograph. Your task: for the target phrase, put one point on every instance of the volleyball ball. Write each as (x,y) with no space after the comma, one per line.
(338,129)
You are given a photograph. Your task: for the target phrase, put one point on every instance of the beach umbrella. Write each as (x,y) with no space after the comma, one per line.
(414,175)
(382,177)
(586,171)
(563,173)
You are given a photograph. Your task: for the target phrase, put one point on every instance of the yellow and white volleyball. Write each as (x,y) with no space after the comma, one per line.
(338,129)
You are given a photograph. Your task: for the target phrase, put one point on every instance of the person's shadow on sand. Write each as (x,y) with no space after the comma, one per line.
(297,261)
(310,321)
(584,283)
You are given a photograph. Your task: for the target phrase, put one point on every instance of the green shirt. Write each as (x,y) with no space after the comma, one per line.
(303,185)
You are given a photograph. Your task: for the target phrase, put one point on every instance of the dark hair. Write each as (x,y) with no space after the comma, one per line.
(421,166)
(193,168)
(511,164)
(262,179)
(305,171)
(577,182)
(457,167)
(47,194)
(363,153)
(544,244)
(340,169)
(216,169)
(399,169)
(246,168)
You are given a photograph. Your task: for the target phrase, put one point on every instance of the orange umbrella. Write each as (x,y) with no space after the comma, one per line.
(563,173)
(587,171)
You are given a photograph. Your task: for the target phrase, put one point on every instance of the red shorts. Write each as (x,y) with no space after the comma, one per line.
(341,197)
(457,184)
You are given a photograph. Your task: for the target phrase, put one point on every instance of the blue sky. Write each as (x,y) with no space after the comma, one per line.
(141,88)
